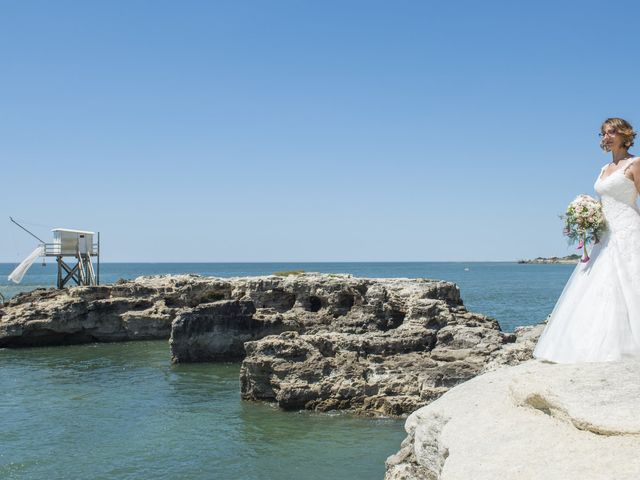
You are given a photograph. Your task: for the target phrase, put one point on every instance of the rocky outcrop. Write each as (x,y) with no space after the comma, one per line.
(308,304)
(84,314)
(145,308)
(323,342)
(217,331)
(402,344)
(535,420)
(519,351)
(569,259)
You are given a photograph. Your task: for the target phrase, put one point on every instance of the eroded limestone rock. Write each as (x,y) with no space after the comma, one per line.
(401,344)
(536,420)
(217,331)
(323,342)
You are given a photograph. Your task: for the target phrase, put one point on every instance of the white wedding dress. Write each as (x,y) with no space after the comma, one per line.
(597,317)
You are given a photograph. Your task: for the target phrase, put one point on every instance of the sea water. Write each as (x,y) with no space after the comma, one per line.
(122,411)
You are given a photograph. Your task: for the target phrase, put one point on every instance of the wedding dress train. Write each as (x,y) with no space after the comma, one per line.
(597,317)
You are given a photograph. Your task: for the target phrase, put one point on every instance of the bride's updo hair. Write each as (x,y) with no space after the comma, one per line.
(622,128)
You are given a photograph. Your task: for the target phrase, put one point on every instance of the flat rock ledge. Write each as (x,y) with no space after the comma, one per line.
(309,341)
(533,421)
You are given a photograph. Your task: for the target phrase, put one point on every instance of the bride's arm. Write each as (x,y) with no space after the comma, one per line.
(634,170)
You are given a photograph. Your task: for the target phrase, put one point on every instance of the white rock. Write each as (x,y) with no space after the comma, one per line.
(533,421)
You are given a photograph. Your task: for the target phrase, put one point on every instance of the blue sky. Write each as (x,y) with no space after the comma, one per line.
(307,131)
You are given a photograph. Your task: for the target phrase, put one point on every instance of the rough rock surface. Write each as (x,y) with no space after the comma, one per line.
(536,420)
(126,311)
(217,331)
(518,352)
(400,344)
(314,341)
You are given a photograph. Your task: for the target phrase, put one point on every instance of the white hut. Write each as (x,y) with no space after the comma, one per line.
(80,244)
(71,242)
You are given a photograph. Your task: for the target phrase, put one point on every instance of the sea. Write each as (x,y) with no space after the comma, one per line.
(122,411)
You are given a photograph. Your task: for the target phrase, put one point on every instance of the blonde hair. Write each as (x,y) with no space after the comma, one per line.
(622,128)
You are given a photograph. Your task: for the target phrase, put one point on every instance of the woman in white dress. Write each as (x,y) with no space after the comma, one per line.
(597,317)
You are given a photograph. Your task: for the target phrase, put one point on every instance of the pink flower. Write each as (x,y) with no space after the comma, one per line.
(580,244)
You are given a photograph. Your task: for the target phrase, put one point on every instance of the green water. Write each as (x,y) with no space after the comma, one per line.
(122,411)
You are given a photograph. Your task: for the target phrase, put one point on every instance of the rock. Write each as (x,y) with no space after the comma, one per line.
(569,259)
(519,351)
(402,344)
(139,309)
(314,341)
(82,315)
(217,331)
(145,307)
(534,420)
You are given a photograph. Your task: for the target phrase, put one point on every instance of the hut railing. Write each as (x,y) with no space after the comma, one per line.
(55,250)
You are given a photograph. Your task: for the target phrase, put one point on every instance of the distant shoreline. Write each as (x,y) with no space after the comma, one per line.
(546,260)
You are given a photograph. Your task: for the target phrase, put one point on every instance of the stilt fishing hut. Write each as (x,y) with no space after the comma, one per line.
(75,252)
(79,246)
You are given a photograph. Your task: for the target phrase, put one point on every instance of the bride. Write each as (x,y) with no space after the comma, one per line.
(597,317)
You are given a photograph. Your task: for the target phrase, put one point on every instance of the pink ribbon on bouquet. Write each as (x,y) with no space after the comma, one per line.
(585,255)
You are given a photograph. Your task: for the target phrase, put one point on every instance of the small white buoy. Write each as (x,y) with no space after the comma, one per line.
(466,269)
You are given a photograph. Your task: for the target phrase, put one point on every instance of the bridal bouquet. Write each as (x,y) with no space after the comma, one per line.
(584,222)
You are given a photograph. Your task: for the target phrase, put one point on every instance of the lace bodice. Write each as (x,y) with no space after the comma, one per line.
(618,195)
